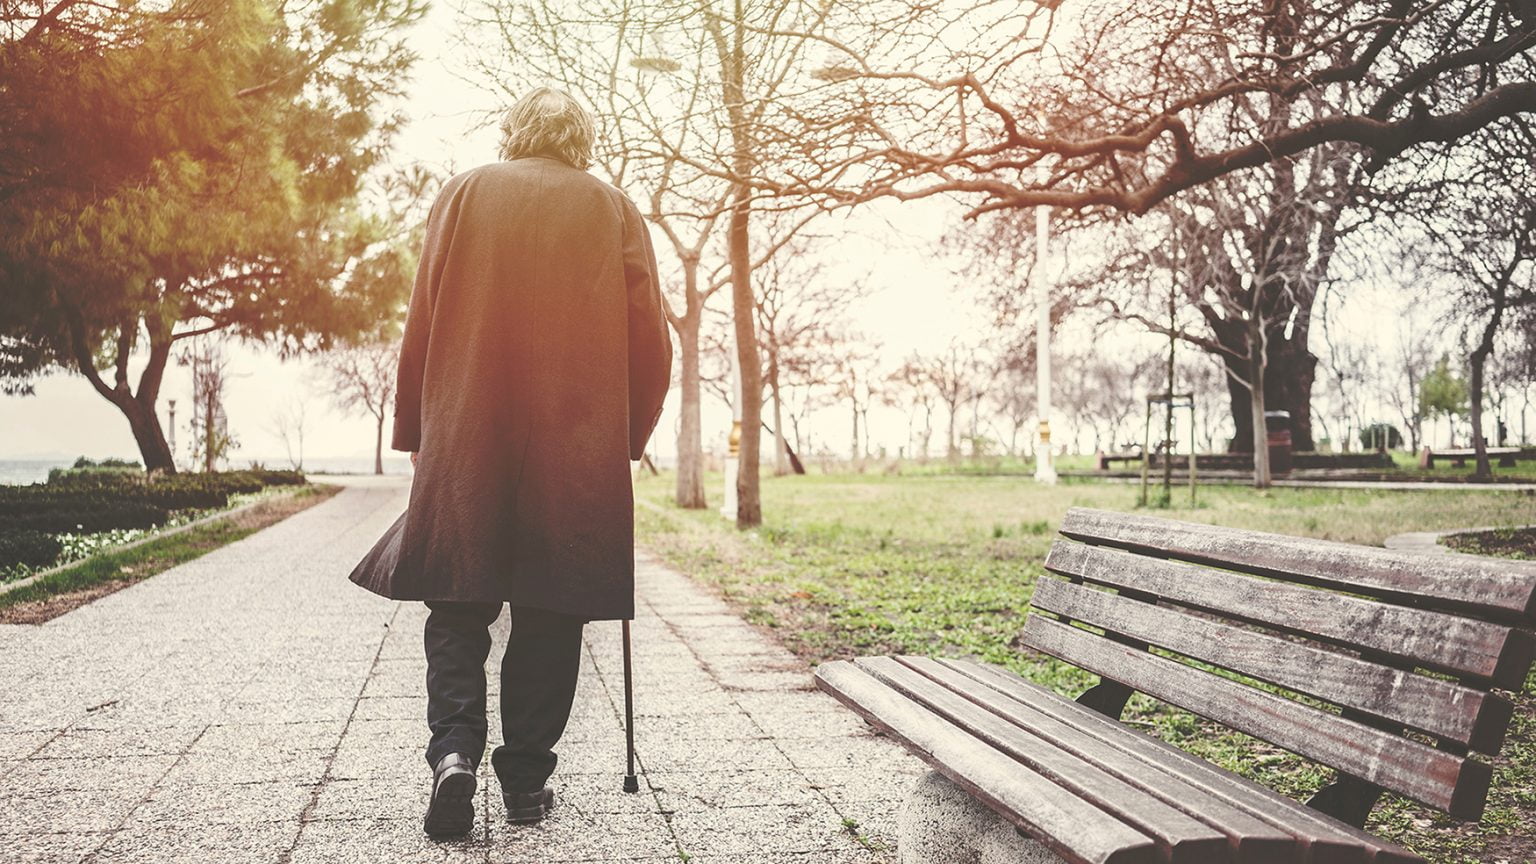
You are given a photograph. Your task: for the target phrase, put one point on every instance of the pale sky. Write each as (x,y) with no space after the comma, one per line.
(917,303)
(911,307)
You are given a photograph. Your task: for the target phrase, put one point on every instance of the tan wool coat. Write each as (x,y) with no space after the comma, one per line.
(534,365)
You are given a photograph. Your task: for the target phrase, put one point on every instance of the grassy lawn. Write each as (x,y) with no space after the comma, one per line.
(866,564)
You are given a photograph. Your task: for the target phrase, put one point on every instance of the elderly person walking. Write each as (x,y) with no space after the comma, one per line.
(533,370)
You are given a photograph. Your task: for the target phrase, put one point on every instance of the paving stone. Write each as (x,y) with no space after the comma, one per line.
(369,799)
(253,737)
(61,848)
(206,844)
(142,741)
(375,841)
(680,791)
(365,759)
(844,752)
(393,707)
(566,835)
(772,828)
(19,745)
(681,754)
(128,772)
(29,810)
(225,804)
(250,766)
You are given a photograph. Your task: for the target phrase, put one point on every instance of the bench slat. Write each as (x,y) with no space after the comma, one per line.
(1249,838)
(1437,778)
(1498,590)
(1441,641)
(1441,708)
(1330,841)
(1183,839)
(1069,826)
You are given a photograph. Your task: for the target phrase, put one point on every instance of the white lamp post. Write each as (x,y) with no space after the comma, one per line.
(1045,471)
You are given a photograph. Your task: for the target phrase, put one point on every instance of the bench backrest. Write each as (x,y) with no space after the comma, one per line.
(1383,665)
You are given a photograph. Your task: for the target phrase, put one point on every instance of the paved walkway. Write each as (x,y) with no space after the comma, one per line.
(253,706)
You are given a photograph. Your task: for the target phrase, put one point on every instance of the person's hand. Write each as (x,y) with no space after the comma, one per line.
(415,454)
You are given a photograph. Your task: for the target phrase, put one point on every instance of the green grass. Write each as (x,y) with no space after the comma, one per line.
(160,554)
(872,564)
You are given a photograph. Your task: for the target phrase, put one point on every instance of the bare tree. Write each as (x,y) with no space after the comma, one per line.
(1153,98)
(1482,241)
(952,376)
(695,95)
(288,424)
(914,382)
(211,437)
(801,324)
(362,378)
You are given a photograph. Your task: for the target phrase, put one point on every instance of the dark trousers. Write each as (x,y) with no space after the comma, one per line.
(538,683)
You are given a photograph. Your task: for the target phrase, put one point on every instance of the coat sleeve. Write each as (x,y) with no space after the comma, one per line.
(650,346)
(418,329)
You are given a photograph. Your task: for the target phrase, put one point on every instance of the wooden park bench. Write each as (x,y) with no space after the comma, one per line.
(1103,460)
(1505,456)
(1402,655)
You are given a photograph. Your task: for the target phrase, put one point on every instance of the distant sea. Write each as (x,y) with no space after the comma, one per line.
(24,471)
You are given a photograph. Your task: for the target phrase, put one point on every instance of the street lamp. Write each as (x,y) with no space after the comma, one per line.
(1045,471)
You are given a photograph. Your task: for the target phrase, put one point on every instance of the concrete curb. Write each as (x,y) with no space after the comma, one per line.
(1429,543)
(149,538)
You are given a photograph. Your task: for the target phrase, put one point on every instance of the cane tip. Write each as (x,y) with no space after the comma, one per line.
(631,783)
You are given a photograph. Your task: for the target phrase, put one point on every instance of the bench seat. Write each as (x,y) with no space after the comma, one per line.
(1088,787)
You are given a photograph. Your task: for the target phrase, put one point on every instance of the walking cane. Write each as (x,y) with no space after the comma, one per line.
(631,784)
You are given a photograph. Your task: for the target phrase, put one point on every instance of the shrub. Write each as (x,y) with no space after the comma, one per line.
(32,548)
(91,501)
(83,462)
(84,515)
(1380,436)
(91,473)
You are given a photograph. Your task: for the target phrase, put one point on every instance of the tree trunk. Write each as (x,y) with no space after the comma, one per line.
(952,452)
(138,408)
(1479,364)
(690,431)
(1290,370)
(731,50)
(148,435)
(780,445)
(1260,439)
(853,446)
(378,446)
(749,506)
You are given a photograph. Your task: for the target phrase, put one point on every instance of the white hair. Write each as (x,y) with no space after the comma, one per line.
(548,122)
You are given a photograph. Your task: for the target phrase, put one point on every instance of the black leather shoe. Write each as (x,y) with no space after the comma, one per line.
(526,808)
(451,811)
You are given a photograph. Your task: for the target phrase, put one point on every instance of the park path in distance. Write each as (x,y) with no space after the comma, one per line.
(254,706)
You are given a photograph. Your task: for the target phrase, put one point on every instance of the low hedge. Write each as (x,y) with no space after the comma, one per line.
(29,547)
(82,516)
(91,500)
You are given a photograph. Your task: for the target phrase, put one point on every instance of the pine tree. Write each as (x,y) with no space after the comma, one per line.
(189,169)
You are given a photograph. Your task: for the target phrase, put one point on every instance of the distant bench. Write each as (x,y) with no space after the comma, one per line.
(1371,460)
(1090,789)
(1506,456)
